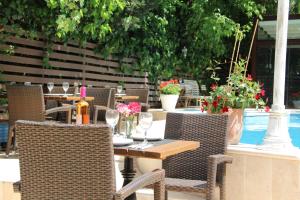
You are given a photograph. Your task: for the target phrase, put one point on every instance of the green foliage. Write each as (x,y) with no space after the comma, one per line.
(240,92)
(170,87)
(154,32)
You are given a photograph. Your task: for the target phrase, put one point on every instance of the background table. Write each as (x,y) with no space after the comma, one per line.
(160,150)
(66,98)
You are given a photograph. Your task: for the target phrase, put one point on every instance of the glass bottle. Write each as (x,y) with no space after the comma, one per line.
(82,108)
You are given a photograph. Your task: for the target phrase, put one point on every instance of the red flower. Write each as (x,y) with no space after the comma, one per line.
(213,87)
(205,103)
(225,109)
(215,104)
(267,109)
(257,96)
(163,84)
(262,92)
(218,98)
(249,77)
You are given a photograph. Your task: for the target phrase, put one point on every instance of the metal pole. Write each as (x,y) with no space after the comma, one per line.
(277,137)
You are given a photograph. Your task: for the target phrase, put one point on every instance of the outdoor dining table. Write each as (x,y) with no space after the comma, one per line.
(158,150)
(62,97)
(125,97)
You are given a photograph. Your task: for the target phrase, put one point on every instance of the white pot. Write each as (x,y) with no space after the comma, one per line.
(169,101)
(296,103)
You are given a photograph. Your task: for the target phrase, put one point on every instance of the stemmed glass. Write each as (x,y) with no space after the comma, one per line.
(65,86)
(119,89)
(50,86)
(112,118)
(145,122)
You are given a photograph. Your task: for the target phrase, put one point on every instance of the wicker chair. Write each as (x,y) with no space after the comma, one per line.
(64,161)
(27,103)
(143,94)
(202,170)
(101,102)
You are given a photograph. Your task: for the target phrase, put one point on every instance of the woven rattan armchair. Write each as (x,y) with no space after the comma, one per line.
(104,99)
(27,103)
(202,170)
(143,94)
(65,161)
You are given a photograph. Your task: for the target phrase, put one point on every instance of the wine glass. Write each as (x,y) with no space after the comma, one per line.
(119,89)
(65,86)
(50,86)
(112,118)
(145,122)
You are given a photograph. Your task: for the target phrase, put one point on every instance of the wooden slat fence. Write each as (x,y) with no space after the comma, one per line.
(68,62)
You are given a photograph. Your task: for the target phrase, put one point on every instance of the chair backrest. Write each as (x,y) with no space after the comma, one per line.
(210,130)
(64,161)
(143,94)
(191,87)
(25,103)
(102,96)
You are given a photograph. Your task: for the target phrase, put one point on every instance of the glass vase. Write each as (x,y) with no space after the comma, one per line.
(129,128)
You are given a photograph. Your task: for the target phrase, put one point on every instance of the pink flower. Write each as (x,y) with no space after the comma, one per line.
(267,109)
(213,87)
(262,92)
(249,77)
(134,107)
(123,109)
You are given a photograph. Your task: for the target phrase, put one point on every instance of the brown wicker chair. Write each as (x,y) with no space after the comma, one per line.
(102,101)
(27,103)
(64,161)
(202,170)
(143,94)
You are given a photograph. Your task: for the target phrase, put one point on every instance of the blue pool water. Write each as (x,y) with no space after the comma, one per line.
(255,127)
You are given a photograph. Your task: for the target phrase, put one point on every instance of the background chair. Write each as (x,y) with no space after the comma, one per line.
(191,93)
(61,161)
(102,101)
(27,103)
(143,94)
(203,169)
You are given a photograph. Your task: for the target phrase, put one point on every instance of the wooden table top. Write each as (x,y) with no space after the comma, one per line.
(160,150)
(125,97)
(61,97)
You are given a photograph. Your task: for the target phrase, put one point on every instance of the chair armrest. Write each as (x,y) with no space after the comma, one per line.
(67,108)
(17,186)
(155,178)
(213,162)
(96,109)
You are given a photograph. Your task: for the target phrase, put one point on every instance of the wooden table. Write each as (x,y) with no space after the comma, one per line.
(160,150)
(61,97)
(125,97)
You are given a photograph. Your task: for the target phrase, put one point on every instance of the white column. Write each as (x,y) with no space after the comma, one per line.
(277,137)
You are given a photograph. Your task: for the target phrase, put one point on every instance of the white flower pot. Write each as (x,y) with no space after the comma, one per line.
(168,101)
(296,103)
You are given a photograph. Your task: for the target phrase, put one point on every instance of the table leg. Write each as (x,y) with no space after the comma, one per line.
(128,174)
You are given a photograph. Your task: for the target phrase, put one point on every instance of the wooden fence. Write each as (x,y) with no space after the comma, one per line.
(67,62)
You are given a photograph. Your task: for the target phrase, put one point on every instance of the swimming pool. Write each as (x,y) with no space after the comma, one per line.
(255,128)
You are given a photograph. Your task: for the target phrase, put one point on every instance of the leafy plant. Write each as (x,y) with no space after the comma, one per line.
(170,87)
(240,92)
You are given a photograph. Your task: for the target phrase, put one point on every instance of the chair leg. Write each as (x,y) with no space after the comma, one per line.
(9,140)
(166,194)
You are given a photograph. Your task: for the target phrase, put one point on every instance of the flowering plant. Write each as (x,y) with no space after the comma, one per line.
(170,87)
(129,110)
(240,92)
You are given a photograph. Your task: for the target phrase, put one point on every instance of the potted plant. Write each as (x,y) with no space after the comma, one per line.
(169,93)
(240,92)
(296,99)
